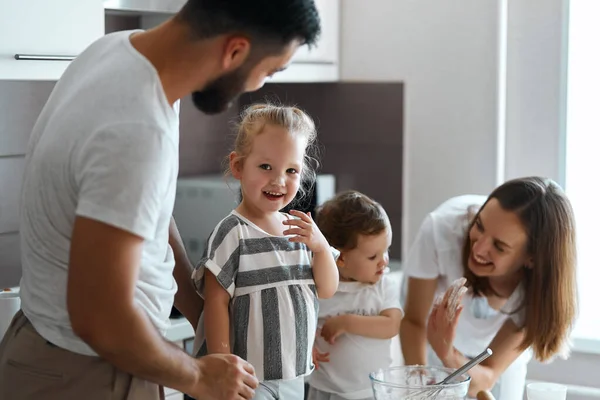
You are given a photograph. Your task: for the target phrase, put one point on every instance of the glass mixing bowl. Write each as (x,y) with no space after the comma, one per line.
(417,383)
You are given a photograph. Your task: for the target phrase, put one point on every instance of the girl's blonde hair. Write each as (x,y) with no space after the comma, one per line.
(297,122)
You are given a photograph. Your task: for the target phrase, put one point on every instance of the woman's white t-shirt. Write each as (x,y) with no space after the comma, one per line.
(437,253)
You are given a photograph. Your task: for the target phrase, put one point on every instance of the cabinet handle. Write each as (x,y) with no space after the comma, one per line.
(313,62)
(37,57)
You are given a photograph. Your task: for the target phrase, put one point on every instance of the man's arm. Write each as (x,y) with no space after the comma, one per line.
(187,301)
(103,269)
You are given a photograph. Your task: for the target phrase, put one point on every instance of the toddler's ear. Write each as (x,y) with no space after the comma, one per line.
(340,260)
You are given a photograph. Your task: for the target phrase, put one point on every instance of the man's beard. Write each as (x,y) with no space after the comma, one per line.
(220,94)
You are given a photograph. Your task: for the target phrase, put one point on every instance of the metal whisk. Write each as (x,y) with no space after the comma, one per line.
(434,392)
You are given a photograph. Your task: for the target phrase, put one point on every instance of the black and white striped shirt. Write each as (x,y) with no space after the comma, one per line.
(274,308)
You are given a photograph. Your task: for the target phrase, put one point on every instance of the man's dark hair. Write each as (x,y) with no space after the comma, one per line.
(266,21)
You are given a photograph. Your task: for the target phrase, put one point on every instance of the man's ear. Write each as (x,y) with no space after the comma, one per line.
(235,52)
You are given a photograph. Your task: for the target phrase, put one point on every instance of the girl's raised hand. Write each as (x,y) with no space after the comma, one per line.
(306,231)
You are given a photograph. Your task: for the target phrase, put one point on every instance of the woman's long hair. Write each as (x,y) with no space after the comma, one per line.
(550,301)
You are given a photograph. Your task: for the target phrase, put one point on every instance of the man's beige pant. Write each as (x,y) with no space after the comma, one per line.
(33,368)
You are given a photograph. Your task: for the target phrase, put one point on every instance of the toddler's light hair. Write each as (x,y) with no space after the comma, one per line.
(349,214)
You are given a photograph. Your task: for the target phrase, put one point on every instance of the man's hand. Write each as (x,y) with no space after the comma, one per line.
(224,377)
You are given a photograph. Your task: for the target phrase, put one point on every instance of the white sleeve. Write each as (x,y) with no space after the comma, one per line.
(335,253)
(422,261)
(123,174)
(391,293)
(513,307)
(518,318)
(221,257)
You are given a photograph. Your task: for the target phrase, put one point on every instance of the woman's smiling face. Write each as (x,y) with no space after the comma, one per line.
(498,242)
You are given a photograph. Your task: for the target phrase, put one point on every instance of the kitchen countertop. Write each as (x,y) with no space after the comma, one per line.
(180,329)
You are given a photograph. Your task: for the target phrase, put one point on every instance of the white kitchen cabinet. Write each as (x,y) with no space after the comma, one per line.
(38,38)
(319,63)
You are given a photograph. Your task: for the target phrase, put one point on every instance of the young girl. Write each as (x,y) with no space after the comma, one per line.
(360,320)
(516,250)
(263,270)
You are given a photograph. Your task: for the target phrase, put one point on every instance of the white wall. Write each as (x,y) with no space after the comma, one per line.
(447,54)
(536,83)
(484,84)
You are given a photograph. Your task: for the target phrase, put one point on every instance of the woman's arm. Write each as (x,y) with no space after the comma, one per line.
(413,330)
(422,270)
(216,316)
(505,352)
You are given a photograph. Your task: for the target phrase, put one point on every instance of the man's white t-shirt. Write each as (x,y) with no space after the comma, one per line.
(104,147)
(352,358)
(437,254)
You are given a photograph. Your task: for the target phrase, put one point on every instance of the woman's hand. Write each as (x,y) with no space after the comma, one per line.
(306,231)
(441,326)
